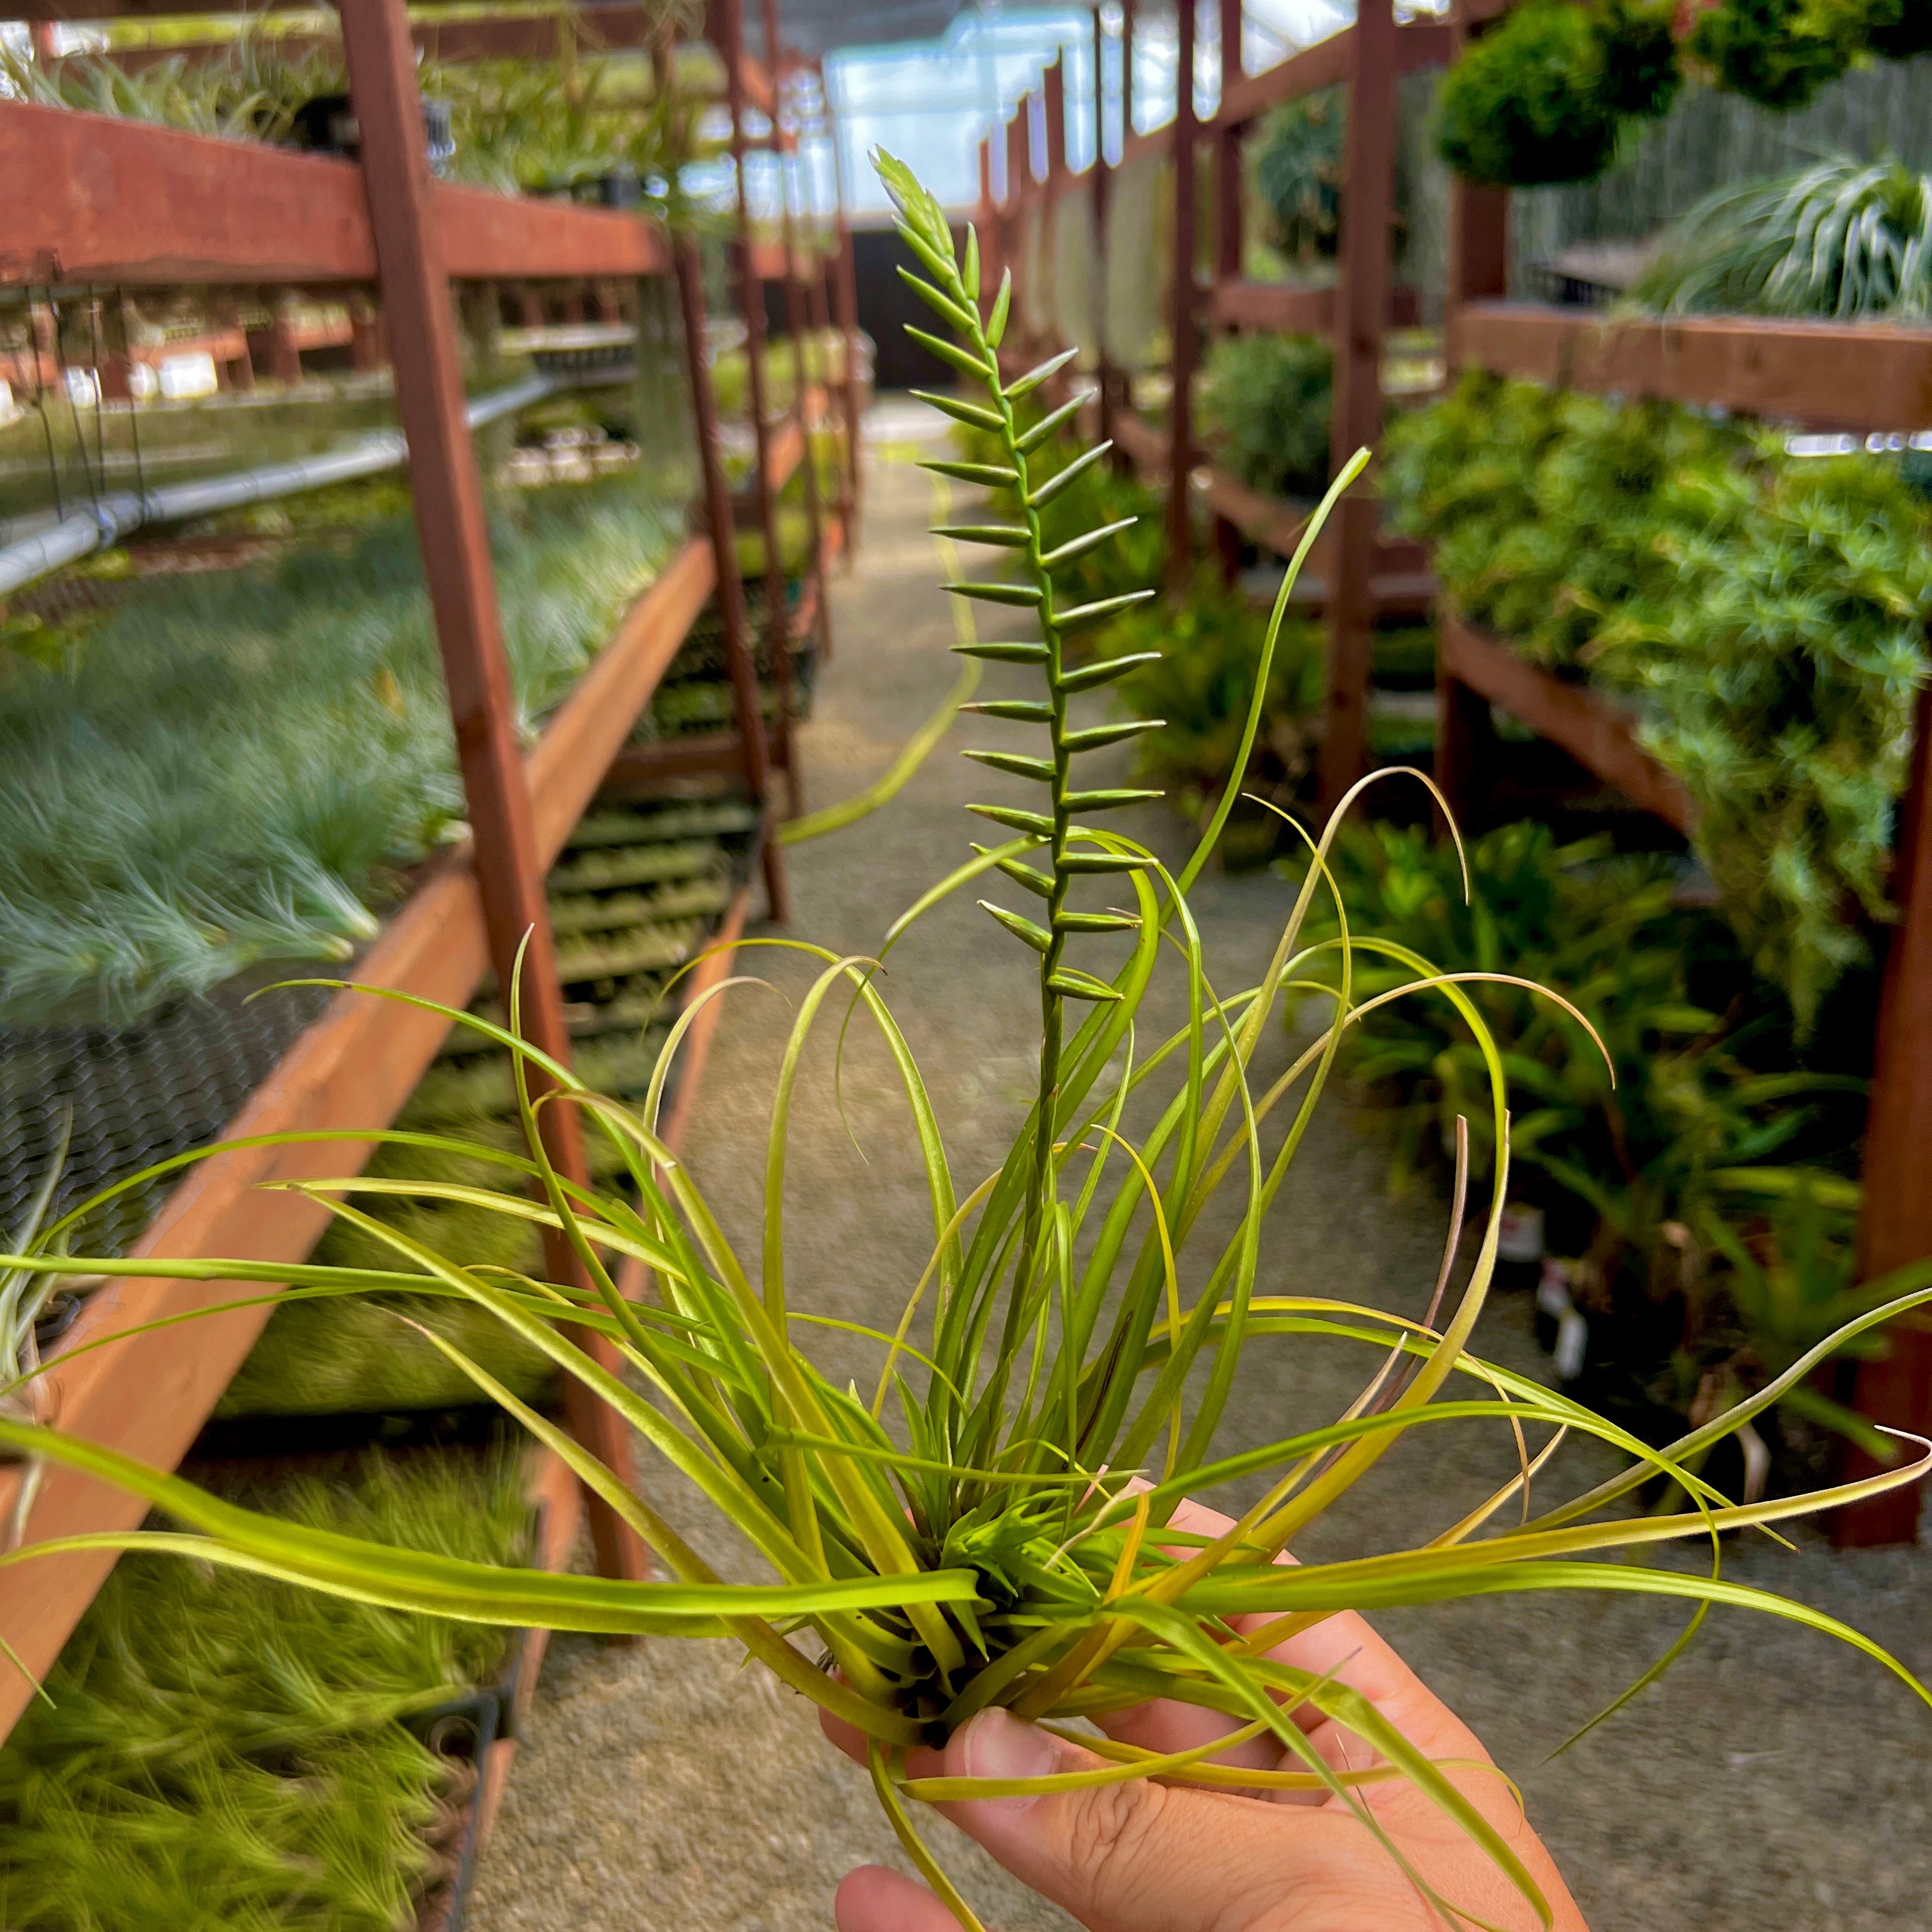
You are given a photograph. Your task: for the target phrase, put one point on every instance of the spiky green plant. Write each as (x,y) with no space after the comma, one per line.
(1841,239)
(1084,1317)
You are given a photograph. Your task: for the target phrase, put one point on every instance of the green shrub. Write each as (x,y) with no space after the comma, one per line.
(1266,401)
(1655,1156)
(1898,29)
(1766,612)
(1531,103)
(227,1751)
(1779,53)
(1298,164)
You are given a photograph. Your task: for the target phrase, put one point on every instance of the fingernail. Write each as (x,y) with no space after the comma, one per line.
(999,1745)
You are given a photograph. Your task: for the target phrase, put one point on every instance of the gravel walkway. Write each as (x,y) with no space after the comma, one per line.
(1775,1780)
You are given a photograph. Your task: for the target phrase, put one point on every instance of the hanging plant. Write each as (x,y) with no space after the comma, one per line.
(1898,29)
(1544,98)
(1298,163)
(1779,53)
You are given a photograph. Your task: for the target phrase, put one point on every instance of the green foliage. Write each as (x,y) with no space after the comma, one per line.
(1779,53)
(1298,163)
(1086,1309)
(1765,611)
(1841,239)
(1266,402)
(229,1751)
(1199,686)
(1543,98)
(231,766)
(1898,29)
(1684,1112)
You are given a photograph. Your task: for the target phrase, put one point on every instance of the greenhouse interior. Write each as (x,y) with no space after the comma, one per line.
(1265,662)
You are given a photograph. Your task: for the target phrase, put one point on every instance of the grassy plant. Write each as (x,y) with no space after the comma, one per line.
(228,769)
(224,1750)
(1266,403)
(1766,612)
(1840,238)
(1080,1322)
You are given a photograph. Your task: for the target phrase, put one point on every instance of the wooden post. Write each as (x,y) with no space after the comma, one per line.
(1126,73)
(1184,325)
(796,323)
(1361,313)
(985,221)
(1013,240)
(752,300)
(724,553)
(448,503)
(1228,237)
(1895,1222)
(1478,270)
(1103,185)
(845,302)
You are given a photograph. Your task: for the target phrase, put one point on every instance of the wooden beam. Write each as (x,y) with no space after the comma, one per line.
(1362,305)
(1281,309)
(90,198)
(1843,376)
(1598,734)
(447,494)
(1895,1222)
(1183,323)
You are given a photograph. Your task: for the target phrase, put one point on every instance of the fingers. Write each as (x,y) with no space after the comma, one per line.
(1137,1854)
(873,1899)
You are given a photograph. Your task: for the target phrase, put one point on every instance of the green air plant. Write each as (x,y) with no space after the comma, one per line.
(1080,1323)
(1544,96)
(224,1750)
(1841,239)
(1266,403)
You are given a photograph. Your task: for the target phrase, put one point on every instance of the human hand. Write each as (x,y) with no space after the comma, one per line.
(1144,1857)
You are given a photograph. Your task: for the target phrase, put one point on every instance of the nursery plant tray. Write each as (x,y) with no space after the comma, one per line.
(352,1067)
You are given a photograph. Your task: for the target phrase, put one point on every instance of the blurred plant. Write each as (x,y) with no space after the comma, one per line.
(1779,53)
(1840,238)
(231,767)
(1194,665)
(1766,611)
(1266,400)
(228,1750)
(1544,97)
(1297,162)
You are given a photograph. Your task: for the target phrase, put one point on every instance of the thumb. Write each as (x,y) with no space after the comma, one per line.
(1135,1855)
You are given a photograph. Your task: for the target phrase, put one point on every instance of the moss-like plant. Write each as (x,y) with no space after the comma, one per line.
(1779,53)
(226,1750)
(1543,98)
(1266,402)
(1081,1323)
(1767,613)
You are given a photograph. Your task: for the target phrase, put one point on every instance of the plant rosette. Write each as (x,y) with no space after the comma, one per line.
(1010,1537)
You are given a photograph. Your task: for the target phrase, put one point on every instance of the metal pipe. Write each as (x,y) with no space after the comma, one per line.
(101,523)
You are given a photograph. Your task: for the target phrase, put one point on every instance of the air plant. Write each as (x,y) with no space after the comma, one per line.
(1841,239)
(1079,1325)
(223,1750)
(228,770)
(1779,53)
